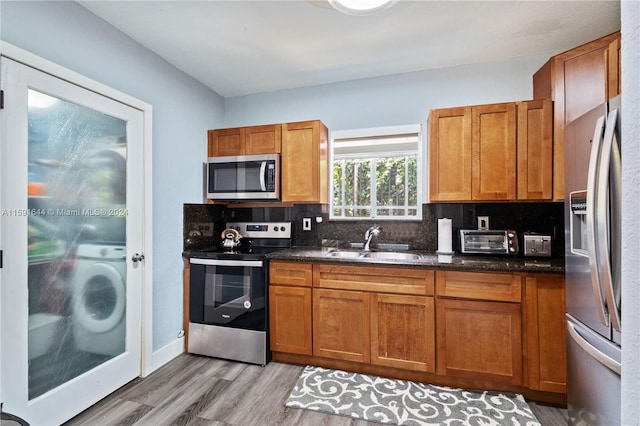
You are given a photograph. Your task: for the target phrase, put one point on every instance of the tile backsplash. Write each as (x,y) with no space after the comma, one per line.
(546,218)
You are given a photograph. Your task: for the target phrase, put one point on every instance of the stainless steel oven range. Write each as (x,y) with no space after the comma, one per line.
(228,306)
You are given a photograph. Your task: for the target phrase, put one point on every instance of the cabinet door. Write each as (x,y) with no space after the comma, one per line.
(546,349)
(290,319)
(341,325)
(614,77)
(535,150)
(493,147)
(450,154)
(403,332)
(578,80)
(224,142)
(304,162)
(265,139)
(479,340)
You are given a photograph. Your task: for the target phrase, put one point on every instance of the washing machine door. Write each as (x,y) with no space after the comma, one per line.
(100,298)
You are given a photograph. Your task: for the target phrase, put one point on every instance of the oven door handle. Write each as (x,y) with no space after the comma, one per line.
(221,262)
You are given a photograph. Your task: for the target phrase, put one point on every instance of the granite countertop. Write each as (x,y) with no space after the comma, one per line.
(478,263)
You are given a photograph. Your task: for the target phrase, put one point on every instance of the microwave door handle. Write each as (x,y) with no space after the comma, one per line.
(263,169)
(605,238)
(591,213)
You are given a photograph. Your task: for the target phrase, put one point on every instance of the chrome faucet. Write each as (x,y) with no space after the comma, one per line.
(368,236)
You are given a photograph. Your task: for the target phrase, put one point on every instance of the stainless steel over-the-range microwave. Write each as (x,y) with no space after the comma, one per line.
(243,177)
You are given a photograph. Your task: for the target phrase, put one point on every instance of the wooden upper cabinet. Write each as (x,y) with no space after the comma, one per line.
(225,142)
(450,154)
(614,75)
(535,150)
(577,81)
(493,152)
(304,164)
(265,139)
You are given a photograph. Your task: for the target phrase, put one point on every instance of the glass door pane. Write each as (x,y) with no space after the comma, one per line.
(76,240)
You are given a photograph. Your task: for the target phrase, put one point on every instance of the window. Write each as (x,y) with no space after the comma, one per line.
(377,173)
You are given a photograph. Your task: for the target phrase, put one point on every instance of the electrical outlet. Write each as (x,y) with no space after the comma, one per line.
(483,222)
(204,229)
(306,224)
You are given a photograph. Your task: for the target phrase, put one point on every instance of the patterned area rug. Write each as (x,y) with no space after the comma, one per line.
(402,402)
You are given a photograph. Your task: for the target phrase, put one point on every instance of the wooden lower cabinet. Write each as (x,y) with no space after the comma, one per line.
(290,319)
(546,347)
(290,307)
(479,340)
(479,326)
(403,332)
(499,331)
(341,325)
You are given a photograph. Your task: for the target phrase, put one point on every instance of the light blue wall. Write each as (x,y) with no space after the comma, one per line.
(392,100)
(183,110)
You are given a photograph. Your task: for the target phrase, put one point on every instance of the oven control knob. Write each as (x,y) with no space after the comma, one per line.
(247,304)
(282,228)
(275,228)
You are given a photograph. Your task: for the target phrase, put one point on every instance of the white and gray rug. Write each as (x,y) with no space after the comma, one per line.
(402,402)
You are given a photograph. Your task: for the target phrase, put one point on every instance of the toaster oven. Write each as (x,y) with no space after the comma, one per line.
(475,241)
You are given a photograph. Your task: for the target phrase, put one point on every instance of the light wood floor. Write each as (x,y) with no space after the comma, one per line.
(194,390)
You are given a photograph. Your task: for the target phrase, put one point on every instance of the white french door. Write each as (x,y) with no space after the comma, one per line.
(71,198)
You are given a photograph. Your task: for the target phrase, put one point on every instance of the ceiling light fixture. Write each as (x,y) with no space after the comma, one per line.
(361,7)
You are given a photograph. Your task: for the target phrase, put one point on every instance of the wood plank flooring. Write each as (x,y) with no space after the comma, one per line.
(195,390)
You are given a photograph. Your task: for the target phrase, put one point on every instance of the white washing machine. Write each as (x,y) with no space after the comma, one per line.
(99,298)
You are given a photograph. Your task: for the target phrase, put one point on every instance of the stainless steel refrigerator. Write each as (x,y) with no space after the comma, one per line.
(592,264)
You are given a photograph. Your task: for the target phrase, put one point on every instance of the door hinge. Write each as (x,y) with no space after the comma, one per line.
(1,99)
(0,259)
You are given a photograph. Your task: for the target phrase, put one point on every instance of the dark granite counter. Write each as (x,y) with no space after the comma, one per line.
(429,260)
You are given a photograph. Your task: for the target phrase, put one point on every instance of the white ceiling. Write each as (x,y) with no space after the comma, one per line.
(246,47)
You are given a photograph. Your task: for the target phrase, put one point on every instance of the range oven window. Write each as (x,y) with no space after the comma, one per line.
(230,293)
(227,286)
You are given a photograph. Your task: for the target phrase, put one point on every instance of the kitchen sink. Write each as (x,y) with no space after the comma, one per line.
(382,255)
(391,255)
(379,246)
(345,254)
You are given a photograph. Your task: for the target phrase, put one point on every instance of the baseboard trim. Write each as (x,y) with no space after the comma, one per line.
(166,354)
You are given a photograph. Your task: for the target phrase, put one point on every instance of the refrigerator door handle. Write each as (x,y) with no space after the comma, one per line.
(592,243)
(603,359)
(605,239)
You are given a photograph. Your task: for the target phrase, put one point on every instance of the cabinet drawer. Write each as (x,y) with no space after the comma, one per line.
(374,279)
(290,273)
(479,285)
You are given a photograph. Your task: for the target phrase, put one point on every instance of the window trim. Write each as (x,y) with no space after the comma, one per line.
(377,132)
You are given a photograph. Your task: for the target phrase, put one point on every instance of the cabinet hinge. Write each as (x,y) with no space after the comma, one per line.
(0,259)
(1,99)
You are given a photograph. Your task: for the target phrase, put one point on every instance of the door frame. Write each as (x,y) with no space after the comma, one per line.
(34,61)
